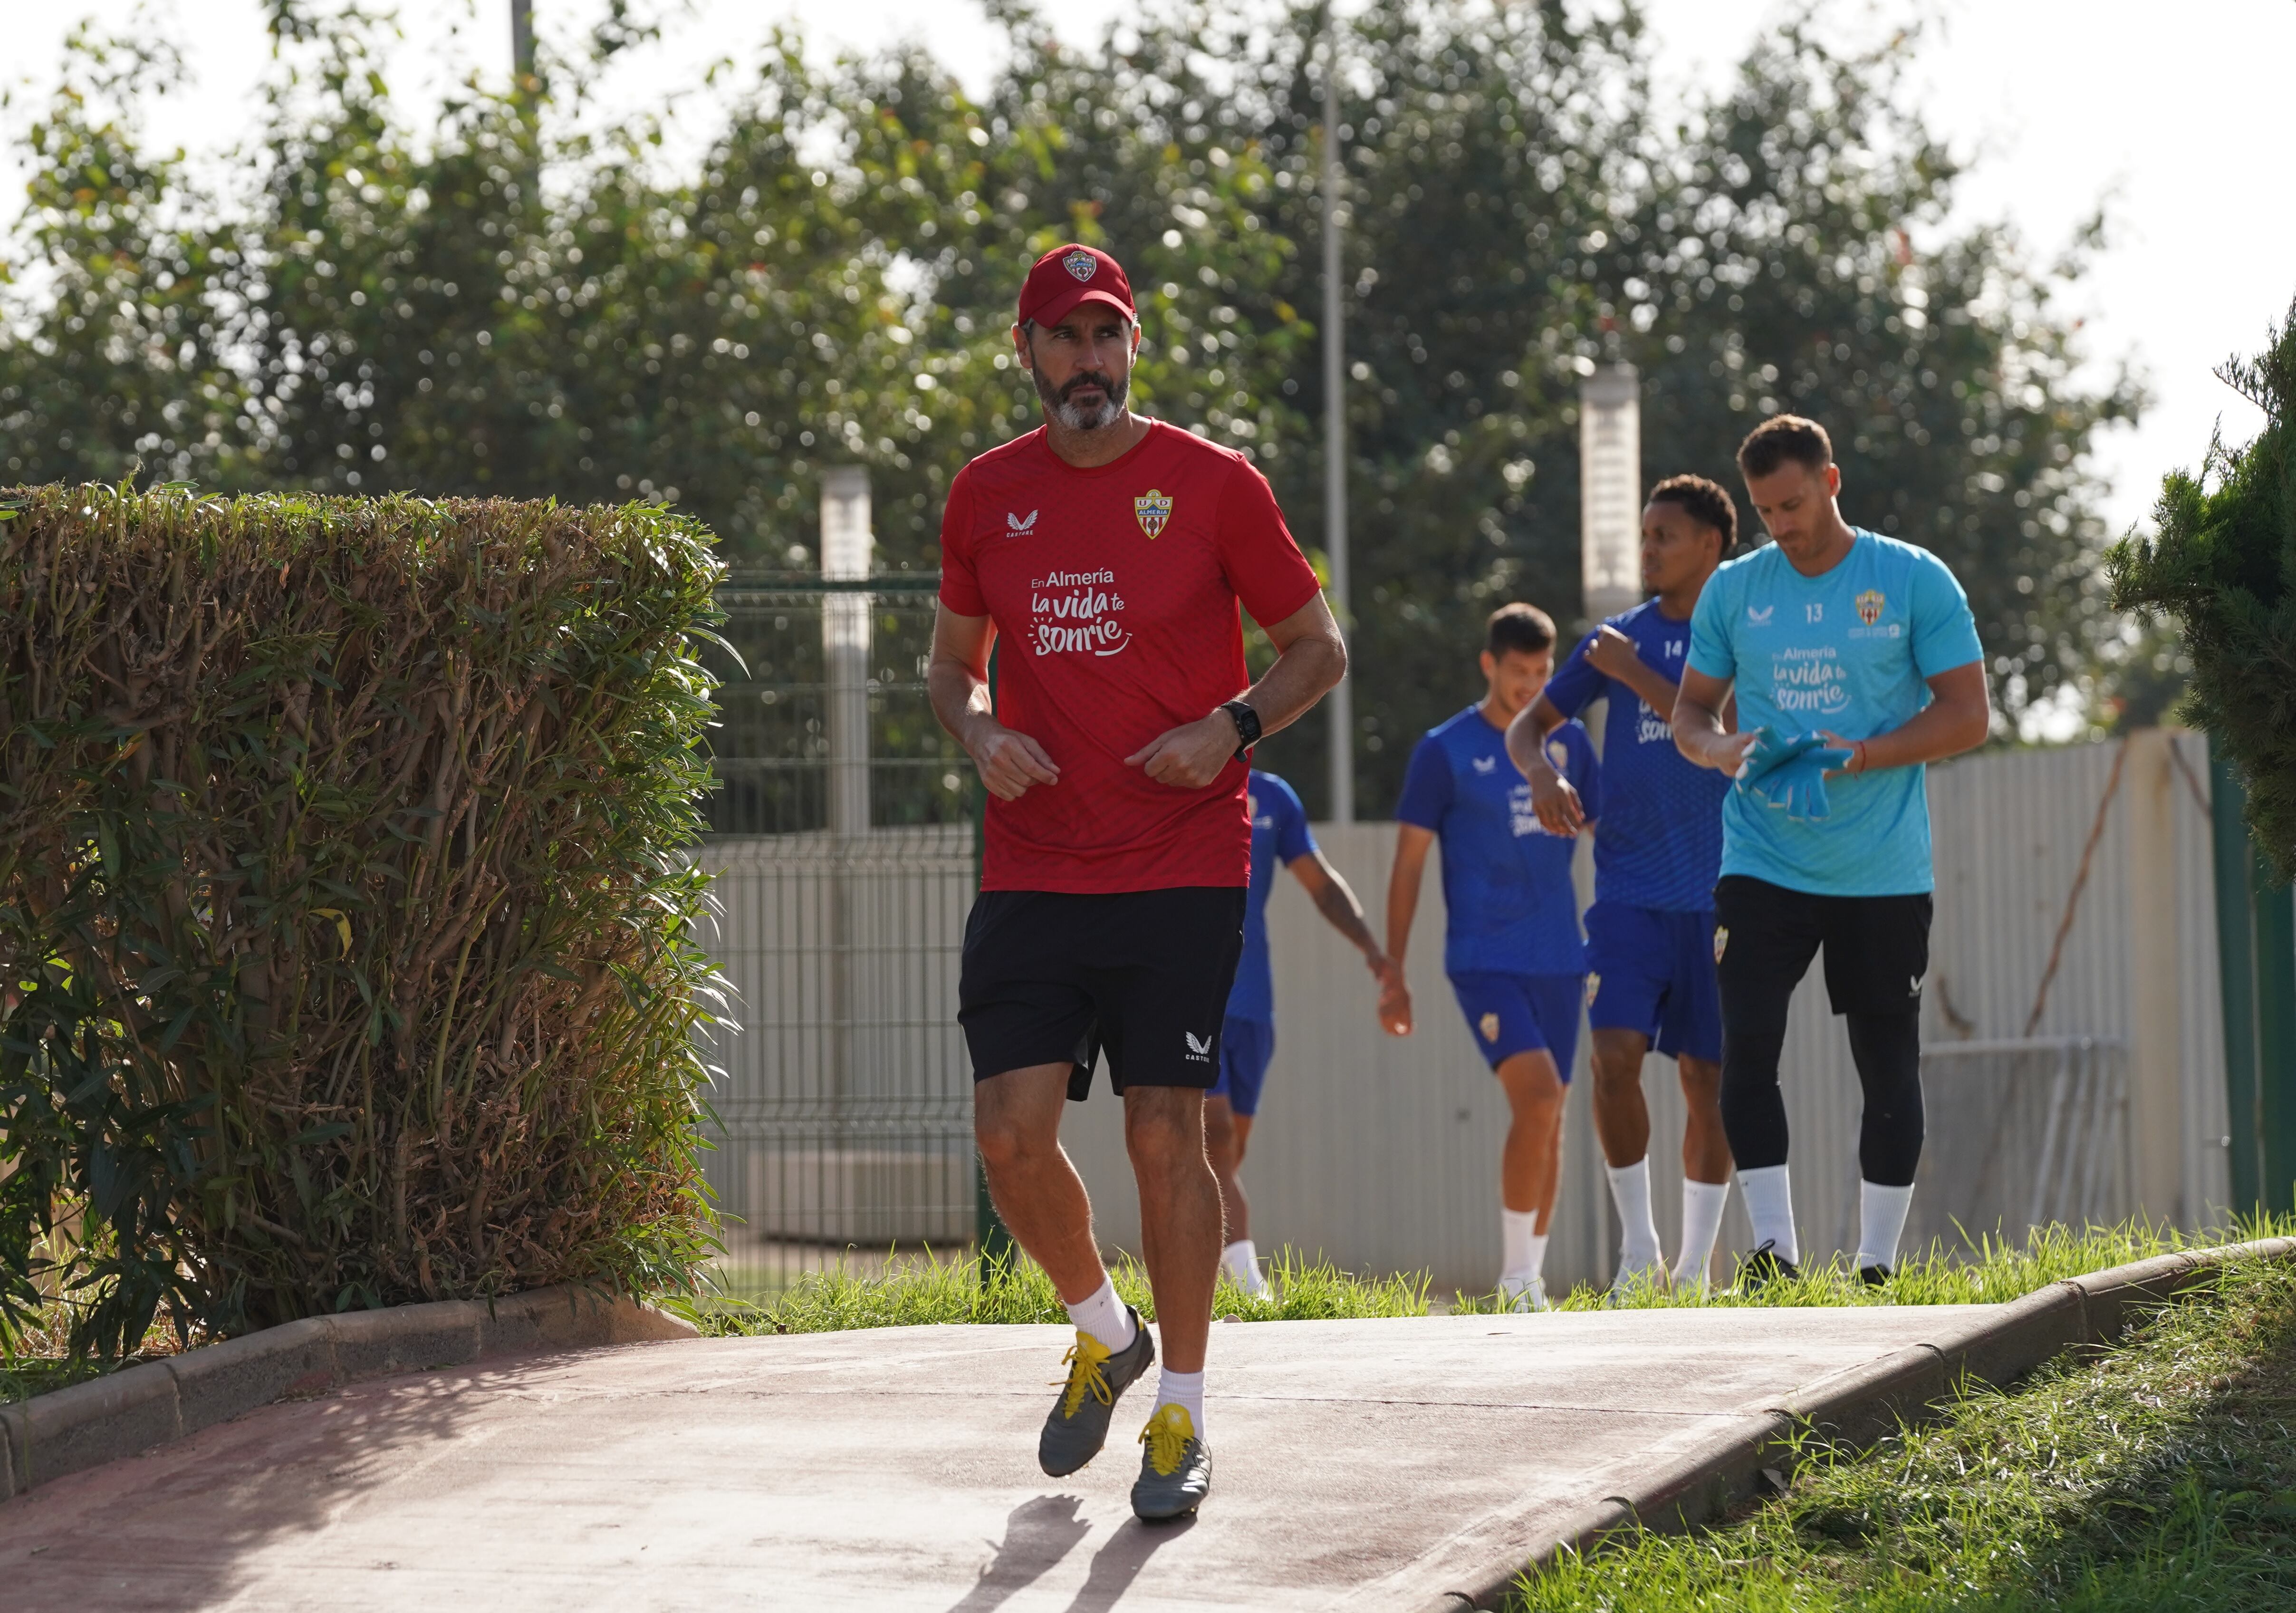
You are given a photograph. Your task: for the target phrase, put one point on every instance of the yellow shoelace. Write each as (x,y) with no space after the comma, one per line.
(1083,1361)
(1167,1438)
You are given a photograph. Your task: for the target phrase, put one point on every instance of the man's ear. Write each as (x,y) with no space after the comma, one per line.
(1832,479)
(1021,347)
(1490,666)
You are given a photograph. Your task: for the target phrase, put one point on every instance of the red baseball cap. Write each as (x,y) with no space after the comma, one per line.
(1072,274)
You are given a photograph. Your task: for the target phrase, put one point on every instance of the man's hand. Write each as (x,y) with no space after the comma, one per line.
(1614,654)
(1395,1004)
(1009,761)
(1729,750)
(1857,749)
(1558,806)
(1191,756)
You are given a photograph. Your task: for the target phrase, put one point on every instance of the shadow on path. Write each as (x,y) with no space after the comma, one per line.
(1040,1531)
(1116,1564)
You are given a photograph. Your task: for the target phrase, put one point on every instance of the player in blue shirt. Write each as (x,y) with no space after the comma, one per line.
(1511,942)
(1650,935)
(1279,834)
(1864,647)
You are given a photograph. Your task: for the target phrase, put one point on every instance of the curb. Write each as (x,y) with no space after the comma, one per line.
(1860,1405)
(49,1436)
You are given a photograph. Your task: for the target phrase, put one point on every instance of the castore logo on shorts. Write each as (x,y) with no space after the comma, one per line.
(1199,1052)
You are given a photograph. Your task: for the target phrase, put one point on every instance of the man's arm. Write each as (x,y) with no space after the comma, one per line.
(956,682)
(1310,658)
(1411,843)
(1613,654)
(1700,732)
(1552,797)
(1338,905)
(1956,719)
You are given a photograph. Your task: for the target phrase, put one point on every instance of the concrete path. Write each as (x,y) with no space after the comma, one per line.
(1357,1465)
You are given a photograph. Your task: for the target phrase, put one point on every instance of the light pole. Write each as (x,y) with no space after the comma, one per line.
(1341,703)
(1610,489)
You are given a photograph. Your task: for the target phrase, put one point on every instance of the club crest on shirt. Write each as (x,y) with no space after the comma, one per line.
(1721,943)
(1081,264)
(1559,756)
(1870,605)
(1152,509)
(1490,1027)
(1593,985)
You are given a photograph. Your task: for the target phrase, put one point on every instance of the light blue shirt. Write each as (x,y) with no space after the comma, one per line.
(1851,651)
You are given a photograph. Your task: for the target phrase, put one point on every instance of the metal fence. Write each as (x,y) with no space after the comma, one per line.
(843,856)
(2023,1132)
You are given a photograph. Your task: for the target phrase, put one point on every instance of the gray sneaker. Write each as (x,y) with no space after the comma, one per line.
(1079,1424)
(1175,1469)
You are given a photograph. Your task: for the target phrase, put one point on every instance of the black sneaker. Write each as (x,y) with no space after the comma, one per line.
(1078,1425)
(1764,1267)
(1873,1276)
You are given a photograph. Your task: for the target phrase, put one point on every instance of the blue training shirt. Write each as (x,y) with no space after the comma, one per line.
(1506,882)
(1279,833)
(1851,651)
(1659,843)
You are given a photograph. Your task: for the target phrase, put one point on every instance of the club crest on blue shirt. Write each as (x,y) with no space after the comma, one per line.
(1870,606)
(1152,509)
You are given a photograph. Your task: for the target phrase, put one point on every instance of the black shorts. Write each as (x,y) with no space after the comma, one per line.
(1877,948)
(1058,977)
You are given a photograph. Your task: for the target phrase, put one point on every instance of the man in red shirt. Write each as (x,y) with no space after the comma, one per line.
(1111,551)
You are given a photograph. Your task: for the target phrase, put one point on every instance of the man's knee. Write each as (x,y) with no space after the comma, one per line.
(1164,1127)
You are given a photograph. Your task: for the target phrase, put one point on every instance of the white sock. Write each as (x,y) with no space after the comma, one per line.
(1769,1205)
(1702,1221)
(1523,1251)
(1105,1316)
(1182,1389)
(1243,1262)
(1637,1230)
(1880,1220)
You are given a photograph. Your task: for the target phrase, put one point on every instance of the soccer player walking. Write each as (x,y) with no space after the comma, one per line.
(1650,934)
(1512,945)
(1279,833)
(1109,551)
(1855,662)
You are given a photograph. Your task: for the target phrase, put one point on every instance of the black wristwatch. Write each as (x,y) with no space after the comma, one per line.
(1247,727)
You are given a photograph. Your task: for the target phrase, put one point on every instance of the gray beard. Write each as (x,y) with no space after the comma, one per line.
(1086,417)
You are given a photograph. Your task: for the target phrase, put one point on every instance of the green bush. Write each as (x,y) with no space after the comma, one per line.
(343,913)
(2224,564)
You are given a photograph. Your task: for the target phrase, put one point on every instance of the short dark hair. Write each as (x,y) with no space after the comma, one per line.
(1519,627)
(1781,437)
(1708,503)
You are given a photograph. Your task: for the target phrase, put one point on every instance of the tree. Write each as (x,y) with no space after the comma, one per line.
(2223,565)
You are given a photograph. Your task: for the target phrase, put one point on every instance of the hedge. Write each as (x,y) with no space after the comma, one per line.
(2223,564)
(344,912)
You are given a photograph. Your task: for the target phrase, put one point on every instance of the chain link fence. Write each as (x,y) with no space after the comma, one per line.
(843,852)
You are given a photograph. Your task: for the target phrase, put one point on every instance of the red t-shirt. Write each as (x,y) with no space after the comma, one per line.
(1114,593)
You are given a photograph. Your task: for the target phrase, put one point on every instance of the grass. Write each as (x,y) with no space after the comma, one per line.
(2160,1475)
(38,1358)
(935,1289)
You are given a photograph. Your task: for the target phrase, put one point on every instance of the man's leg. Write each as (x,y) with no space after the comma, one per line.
(1179,1215)
(1225,1134)
(1765,937)
(1531,1165)
(1016,1120)
(1887,1048)
(1622,1126)
(1705,1166)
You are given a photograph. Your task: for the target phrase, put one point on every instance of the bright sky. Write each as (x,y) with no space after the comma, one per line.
(2171,115)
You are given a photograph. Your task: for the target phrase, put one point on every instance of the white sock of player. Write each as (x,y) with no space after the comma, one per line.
(1702,1223)
(1769,1205)
(1242,1260)
(1105,1316)
(1881,1221)
(1630,1192)
(1523,1250)
(1182,1389)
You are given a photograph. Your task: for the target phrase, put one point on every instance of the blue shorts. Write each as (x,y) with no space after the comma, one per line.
(1246,1047)
(1653,972)
(1512,1013)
